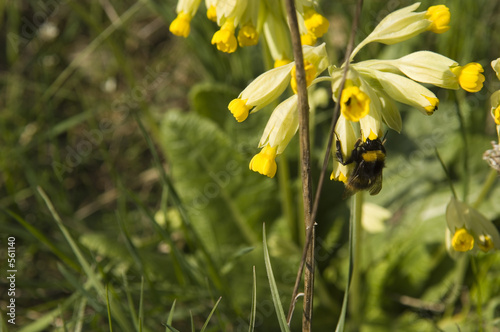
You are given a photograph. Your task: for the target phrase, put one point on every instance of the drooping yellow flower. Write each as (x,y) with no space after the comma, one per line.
(264,162)
(315,23)
(433,106)
(469,76)
(224,38)
(310,75)
(462,241)
(181,25)
(212,13)
(440,17)
(496,114)
(239,109)
(248,35)
(354,104)
(485,243)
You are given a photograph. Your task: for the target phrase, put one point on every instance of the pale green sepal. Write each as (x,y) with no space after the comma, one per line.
(429,67)
(316,56)
(495,100)
(405,90)
(230,9)
(277,36)
(396,27)
(282,125)
(267,87)
(390,113)
(188,6)
(495,64)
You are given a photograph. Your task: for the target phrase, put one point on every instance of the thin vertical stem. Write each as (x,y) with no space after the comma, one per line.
(310,230)
(303,108)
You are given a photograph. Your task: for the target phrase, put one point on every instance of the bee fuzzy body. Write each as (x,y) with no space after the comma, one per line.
(369,159)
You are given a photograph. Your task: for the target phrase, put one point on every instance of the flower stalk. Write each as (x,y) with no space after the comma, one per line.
(303,109)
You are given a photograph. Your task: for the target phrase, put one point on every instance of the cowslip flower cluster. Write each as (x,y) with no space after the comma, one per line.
(253,18)
(370,91)
(469,230)
(283,122)
(372,86)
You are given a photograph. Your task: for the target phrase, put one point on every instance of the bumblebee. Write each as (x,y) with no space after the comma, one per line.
(369,157)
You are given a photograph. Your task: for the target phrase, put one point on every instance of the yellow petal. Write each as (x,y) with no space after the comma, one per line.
(180,26)
(462,240)
(440,18)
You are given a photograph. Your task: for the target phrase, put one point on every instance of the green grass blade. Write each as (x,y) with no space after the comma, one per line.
(141,306)
(274,288)
(210,315)
(80,315)
(130,302)
(170,315)
(253,312)
(192,321)
(43,323)
(91,275)
(352,230)
(42,238)
(79,287)
(109,310)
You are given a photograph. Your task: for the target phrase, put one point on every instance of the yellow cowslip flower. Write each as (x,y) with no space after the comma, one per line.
(315,23)
(440,17)
(462,241)
(224,38)
(264,162)
(239,109)
(181,25)
(471,230)
(310,75)
(248,35)
(308,39)
(344,133)
(405,23)
(354,103)
(469,76)
(485,243)
(281,62)
(263,90)
(434,103)
(496,115)
(212,13)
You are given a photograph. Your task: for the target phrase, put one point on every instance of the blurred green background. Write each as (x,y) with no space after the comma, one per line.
(125,128)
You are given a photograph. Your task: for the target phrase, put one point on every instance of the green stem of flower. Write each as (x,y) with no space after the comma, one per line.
(490,180)
(355,292)
(303,108)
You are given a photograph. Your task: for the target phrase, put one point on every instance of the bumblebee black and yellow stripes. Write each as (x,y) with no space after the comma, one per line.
(369,157)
